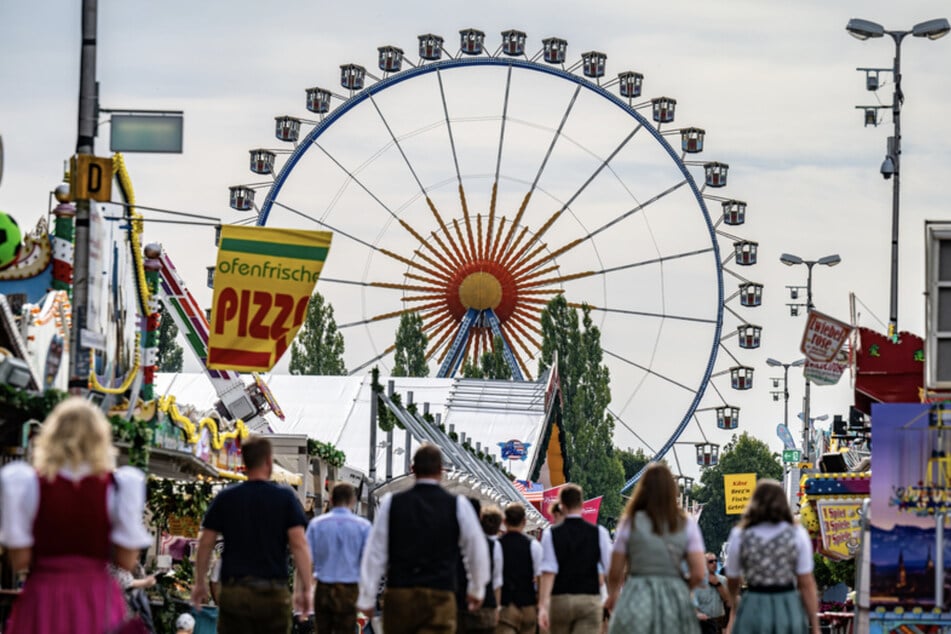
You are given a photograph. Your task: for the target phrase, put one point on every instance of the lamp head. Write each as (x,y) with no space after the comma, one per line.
(864,29)
(932,29)
(798,363)
(773,362)
(830,260)
(789,259)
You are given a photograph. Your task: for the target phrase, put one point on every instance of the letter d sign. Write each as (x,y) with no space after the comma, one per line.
(91,178)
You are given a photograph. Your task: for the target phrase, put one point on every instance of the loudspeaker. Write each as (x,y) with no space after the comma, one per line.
(833,463)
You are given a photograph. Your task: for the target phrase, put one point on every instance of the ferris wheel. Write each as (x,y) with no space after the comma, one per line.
(473,187)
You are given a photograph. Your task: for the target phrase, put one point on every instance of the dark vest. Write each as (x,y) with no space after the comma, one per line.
(518,571)
(423,539)
(489,601)
(578,551)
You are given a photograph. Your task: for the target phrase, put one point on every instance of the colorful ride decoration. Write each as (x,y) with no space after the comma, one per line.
(829,509)
(63,236)
(10,240)
(152,267)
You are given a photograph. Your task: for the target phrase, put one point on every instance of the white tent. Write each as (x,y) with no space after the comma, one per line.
(336,409)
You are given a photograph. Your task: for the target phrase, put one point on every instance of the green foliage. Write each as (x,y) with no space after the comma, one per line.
(18,406)
(632,461)
(318,347)
(138,434)
(828,572)
(409,359)
(326,451)
(384,417)
(743,454)
(186,499)
(591,460)
(169,357)
(491,365)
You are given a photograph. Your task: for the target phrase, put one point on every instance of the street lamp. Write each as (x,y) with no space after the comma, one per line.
(891,166)
(785,366)
(791,260)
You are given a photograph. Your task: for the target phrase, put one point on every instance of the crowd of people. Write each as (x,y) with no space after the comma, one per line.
(430,561)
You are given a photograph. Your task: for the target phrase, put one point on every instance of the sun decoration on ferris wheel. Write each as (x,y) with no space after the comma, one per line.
(478,252)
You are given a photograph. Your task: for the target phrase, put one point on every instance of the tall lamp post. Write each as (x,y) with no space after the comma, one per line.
(791,260)
(785,366)
(863,30)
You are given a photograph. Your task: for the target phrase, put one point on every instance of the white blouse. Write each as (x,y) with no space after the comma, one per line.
(20,500)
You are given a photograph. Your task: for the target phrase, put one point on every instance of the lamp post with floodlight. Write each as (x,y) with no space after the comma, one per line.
(785,366)
(791,260)
(891,166)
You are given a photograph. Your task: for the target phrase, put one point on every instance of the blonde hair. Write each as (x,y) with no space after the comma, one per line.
(75,433)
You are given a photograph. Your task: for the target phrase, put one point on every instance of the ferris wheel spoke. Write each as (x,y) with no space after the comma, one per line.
(529,320)
(551,221)
(367,364)
(666,258)
(631,429)
(455,161)
(560,279)
(539,273)
(541,168)
(446,254)
(438,345)
(462,241)
(370,320)
(398,287)
(326,226)
(434,320)
(638,208)
(439,266)
(498,233)
(498,165)
(650,371)
(415,265)
(702,320)
(517,327)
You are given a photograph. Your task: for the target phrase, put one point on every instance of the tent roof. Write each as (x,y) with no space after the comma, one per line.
(336,409)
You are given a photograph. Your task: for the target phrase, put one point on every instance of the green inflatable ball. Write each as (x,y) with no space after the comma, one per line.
(10,240)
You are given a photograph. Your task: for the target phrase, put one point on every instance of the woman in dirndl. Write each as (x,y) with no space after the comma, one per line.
(773,555)
(653,545)
(64,519)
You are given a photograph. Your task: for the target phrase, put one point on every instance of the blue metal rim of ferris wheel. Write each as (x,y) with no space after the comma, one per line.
(417,71)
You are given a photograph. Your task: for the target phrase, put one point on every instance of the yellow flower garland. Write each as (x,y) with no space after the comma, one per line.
(94,380)
(192,434)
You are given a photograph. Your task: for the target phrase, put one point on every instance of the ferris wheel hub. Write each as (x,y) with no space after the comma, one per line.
(480,290)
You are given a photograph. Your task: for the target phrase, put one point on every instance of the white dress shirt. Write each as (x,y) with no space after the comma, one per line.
(550,562)
(497,563)
(472,544)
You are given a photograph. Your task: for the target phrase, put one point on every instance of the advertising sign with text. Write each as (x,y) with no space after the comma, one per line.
(263,282)
(737,491)
(823,337)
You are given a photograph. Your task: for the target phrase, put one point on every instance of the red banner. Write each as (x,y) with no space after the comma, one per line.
(549,497)
(591,509)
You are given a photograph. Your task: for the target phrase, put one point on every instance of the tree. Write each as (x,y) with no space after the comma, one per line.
(410,356)
(632,461)
(491,365)
(318,347)
(169,356)
(743,454)
(591,459)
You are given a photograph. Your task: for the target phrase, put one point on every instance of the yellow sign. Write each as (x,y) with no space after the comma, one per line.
(263,282)
(90,177)
(737,491)
(841,527)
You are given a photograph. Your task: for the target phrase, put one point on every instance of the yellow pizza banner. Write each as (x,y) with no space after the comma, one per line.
(263,281)
(737,491)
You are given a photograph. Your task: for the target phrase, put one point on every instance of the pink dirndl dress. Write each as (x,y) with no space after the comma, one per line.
(75,521)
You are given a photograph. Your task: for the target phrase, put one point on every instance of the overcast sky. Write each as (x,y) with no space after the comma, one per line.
(773,83)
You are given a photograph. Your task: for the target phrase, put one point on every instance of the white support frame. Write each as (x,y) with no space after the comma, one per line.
(935,234)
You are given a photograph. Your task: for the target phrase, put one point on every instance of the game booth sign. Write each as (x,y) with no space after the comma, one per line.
(910,502)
